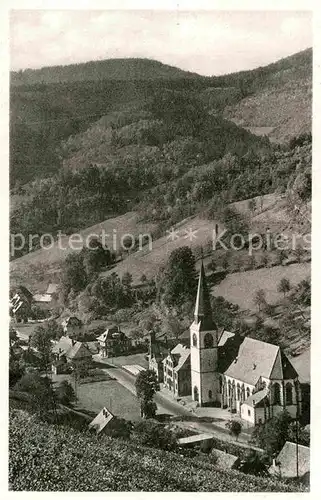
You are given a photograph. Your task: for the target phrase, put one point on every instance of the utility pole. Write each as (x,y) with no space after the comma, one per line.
(297,428)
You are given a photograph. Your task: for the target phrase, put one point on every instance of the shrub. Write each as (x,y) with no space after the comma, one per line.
(65,393)
(151,433)
(235,428)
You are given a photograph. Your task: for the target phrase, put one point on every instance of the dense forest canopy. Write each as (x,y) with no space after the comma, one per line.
(82,151)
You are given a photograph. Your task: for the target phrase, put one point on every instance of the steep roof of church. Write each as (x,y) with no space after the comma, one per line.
(255,358)
(289,371)
(203,309)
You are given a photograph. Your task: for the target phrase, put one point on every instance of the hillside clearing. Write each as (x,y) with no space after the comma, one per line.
(240,287)
(42,263)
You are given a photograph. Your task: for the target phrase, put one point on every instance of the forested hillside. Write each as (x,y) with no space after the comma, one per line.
(279,102)
(81,152)
(110,69)
(51,104)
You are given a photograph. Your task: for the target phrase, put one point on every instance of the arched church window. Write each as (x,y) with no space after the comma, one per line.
(194,340)
(288,394)
(208,341)
(247,393)
(195,393)
(238,392)
(210,394)
(277,394)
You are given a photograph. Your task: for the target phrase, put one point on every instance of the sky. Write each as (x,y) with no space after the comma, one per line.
(205,42)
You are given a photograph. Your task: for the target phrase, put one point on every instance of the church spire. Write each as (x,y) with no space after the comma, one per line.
(203,309)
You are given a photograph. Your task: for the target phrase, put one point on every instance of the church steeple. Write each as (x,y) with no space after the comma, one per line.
(203,309)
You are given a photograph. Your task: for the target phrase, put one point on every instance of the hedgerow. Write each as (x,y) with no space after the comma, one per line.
(44,457)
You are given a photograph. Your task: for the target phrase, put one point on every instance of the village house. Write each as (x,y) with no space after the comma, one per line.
(251,378)
(68,350)
(177,371)
(72,327)
(48,299)
(113,342)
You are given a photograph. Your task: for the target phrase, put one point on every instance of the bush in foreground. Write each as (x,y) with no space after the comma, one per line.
(43,457)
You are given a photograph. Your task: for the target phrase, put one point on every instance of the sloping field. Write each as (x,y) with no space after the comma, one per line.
(276,110)
(193,232)
(45,262)
(111,394)
(42,266)
(240,287)
(64,459)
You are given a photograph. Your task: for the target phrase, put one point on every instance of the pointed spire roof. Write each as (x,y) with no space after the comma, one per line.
(203,309)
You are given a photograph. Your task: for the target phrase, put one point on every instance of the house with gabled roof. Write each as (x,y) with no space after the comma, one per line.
(72,326)
(252,378)
(177,371)
(68,350)
(113,342)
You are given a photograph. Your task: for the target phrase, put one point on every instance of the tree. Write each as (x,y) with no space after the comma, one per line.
(254,463)
(42,397)
(13,338)
(81,369)
(73,274)
(41,341)
(143,278)
(259,298)
(301,295)
(264,259)
(146,386)
(151,433)
(235,428)
(16,370)
(251,205)
(65,393)
(179,283)
(212,266)
(53,329)
(272,435)
(284,286)
(299,252)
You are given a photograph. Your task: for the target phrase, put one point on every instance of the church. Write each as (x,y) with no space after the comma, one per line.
(252,378)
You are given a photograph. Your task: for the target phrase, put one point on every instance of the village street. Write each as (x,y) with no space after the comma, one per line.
(171,407)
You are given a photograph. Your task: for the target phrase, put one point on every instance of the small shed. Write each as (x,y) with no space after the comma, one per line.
(100,422)
(195,440)
(291,460)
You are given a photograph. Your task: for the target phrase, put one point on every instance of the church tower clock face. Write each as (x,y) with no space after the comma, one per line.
(204,348)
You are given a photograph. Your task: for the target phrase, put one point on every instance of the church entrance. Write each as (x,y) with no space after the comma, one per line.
(196,395)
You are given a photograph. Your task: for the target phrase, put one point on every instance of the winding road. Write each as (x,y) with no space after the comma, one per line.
(165,406)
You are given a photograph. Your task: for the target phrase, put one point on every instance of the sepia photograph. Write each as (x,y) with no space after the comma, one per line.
(160,171)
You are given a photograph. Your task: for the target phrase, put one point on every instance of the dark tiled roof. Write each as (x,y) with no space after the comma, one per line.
(112,333)
(203,309)
(73,350)
(289,371)
(224,336)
